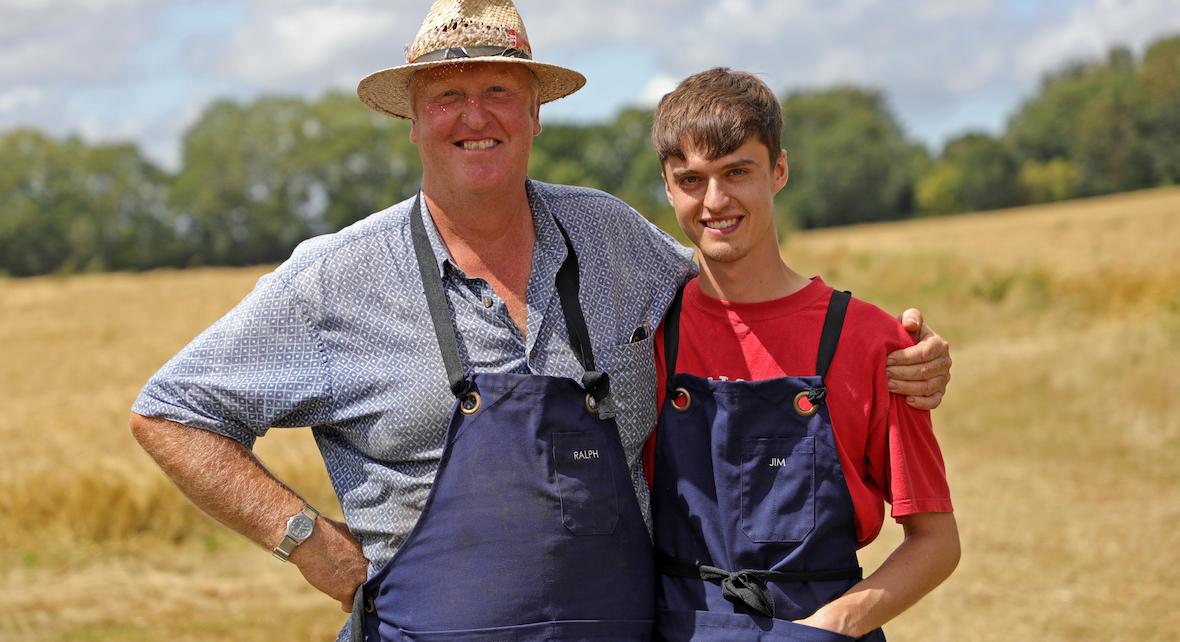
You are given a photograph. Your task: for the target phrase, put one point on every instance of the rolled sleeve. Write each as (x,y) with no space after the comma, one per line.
(261,365)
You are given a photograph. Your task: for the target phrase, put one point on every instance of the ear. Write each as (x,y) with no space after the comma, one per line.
(414,130)
(667,188)
(781,171)
(536,118)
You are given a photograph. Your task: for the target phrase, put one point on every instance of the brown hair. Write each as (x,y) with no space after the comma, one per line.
(717,111)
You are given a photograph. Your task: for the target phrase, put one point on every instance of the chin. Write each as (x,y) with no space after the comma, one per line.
(723,255)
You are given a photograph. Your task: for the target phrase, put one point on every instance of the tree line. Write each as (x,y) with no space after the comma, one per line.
(257,178)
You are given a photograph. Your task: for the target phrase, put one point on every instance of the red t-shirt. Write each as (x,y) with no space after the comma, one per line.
(887,448)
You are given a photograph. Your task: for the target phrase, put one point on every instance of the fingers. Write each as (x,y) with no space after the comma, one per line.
(925,403)
(930,346)
(920,387)
(911,320)
(924,371)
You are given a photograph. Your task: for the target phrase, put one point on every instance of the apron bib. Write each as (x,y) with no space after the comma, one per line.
(754,525)
(531,531)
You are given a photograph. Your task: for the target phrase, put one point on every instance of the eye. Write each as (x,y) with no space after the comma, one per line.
(739,171)
(686,182)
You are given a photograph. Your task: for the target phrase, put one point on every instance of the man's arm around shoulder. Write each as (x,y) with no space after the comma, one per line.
(228,482)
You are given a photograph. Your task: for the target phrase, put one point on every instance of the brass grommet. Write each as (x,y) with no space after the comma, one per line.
(811,408)
(681,393)
(469,404)
(591,404)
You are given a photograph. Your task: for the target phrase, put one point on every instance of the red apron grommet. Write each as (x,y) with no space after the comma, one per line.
(803,405)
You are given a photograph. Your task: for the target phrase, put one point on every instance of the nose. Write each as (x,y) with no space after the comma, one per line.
(716,198)
(475,115)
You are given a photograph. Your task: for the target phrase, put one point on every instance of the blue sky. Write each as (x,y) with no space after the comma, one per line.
(143,70)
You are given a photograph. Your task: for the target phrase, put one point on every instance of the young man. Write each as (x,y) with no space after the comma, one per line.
(778,439)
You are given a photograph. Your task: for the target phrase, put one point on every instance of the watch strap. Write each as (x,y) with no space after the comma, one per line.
(287,545)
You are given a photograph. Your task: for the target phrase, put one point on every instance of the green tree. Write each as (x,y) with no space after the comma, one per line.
(849,159)
(1159,81)
(68,206)
(259,178)
(938,189)
(1055,180)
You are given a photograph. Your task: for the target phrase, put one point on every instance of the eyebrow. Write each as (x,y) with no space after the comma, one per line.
(741,162)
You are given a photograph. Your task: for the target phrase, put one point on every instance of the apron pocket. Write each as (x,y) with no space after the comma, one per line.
(583,466)
(778,489)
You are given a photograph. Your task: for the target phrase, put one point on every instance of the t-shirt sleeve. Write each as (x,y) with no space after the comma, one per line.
(917,473)
(261,365)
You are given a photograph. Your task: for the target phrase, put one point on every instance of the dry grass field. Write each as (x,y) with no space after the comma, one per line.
(1061,431)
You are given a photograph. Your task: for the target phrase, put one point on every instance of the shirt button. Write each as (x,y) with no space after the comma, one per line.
(487,302)
(533,353)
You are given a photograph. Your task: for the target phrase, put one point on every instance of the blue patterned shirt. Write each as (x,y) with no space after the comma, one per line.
(339,338)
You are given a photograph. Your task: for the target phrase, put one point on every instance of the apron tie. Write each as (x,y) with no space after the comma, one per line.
(748,587)
(744,587)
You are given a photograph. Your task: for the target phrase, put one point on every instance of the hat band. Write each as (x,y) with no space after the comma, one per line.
(454,53)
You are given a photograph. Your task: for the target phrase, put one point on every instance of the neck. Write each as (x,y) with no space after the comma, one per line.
(491,239)
(478,217)
(746,281)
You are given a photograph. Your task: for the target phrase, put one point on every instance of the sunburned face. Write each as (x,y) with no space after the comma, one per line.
(726,205)
(474,125)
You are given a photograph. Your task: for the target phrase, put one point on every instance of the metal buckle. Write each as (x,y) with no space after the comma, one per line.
(470,403)
(811,409)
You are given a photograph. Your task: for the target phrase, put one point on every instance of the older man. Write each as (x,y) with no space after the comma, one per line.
(475,364)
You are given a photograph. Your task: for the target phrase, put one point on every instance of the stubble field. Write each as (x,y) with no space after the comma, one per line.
(1061,433)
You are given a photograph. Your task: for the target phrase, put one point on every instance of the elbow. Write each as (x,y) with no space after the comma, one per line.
(146,431)
(952,547)
(140,426)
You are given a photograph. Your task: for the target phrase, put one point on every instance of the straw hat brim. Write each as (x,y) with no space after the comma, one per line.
(388,90)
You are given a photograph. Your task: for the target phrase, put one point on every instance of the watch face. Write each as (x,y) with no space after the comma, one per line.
(300,527)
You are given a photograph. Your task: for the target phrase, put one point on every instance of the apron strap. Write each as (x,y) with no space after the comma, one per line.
(833,323)
(436,302)
(356,621)
(747,587)
(568,287)
(596,382)
(672,338)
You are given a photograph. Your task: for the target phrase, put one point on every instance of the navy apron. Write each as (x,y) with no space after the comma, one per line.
(531,530)
(754,525)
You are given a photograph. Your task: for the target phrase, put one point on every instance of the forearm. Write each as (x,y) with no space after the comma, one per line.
(221,477)
(228,482)
(921,562)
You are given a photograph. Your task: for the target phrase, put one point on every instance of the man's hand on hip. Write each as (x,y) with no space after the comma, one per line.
(332,561)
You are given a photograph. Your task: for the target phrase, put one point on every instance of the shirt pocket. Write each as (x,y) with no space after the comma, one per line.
(584,469)
(778,489)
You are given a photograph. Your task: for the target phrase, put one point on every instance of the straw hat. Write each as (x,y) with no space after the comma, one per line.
(464,31)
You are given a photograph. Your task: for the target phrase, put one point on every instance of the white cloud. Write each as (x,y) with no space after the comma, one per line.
(19,98)
(303,44)
(1092,27)
(937,61)
(656,88)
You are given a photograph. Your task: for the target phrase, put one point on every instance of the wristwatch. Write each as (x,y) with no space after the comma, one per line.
(299,528)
